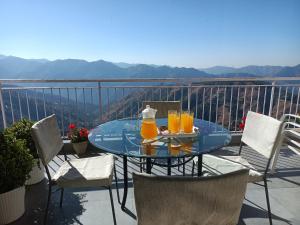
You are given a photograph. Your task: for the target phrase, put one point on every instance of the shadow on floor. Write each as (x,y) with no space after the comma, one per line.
(36,204)
(254,212)
(72,208)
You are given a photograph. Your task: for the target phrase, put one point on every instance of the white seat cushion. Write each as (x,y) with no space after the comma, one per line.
(86,172)
(216,165)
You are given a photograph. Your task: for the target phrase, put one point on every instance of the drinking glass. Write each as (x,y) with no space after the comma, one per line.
(183,118)
(173,121)
(187,122)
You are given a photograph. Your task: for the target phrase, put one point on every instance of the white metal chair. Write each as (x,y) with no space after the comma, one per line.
(189,200)
(74,173)
(290,136)
(261,133)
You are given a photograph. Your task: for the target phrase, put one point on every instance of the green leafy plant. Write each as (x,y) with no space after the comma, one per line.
(15,162)
(22,130)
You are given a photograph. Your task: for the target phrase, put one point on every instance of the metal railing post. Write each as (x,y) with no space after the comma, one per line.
(272,98)
(100,102)
(2,108)
(189,96)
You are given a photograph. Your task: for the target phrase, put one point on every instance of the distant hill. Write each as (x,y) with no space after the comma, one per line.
(217,70)
(14,67)
(289,71)
(147,71)
(127,65)
(19,68)
(254,70)
(261,70)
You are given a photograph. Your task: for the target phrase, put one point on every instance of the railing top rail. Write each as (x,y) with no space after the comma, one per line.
(181,80)
(150,86)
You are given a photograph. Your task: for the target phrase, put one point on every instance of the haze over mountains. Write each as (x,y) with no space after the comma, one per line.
(15,67)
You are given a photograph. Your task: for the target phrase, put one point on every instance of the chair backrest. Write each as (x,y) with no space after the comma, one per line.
(163,107)
(189,200)
(47,138)
(262,133)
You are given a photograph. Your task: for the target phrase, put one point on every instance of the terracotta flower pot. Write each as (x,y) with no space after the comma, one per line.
(12,205)
(80,147)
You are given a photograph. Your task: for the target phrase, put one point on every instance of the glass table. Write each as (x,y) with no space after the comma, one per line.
(122,137)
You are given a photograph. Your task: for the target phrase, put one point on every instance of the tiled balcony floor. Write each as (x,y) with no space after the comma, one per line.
(91,206)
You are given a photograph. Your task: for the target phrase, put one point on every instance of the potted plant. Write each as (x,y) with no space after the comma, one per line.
(21,130)
(79,138)
(15,164)
(242,123)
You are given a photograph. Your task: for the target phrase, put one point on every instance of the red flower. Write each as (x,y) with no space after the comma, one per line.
(242,126)
(72,126)
(244,118)
(83,132)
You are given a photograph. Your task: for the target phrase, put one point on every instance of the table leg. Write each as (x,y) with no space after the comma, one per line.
(125,182)
(183,166)
(200,159)
(169,166)
(148,165)
(141,165)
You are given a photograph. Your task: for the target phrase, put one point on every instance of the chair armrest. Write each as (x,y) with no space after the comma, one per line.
(286,124)
(289,116)
(292,133)
(293,142)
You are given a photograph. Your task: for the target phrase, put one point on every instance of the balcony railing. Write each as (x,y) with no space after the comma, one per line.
(91,102)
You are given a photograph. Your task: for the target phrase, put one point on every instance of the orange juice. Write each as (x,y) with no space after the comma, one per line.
(187,147)
(183,119)
(149,149)
(187,122)
(173,121)
(148,129)
(174,150)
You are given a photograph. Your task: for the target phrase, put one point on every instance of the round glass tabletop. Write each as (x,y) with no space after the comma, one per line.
(122,137)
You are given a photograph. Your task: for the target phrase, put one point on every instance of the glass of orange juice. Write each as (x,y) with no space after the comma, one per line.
(187,122)
(183,118)
(173,121)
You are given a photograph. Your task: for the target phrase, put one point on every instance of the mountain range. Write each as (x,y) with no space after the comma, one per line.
(19,68)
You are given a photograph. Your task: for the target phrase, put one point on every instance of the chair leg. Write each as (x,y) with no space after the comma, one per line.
(61,197)
(274,161)
(112,206)
(268,201)
(193,168)
(183,166)
(48,202)
(141,166)
(241,146)
(117,185)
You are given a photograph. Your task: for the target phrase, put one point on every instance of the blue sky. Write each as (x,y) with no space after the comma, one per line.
(179,33)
